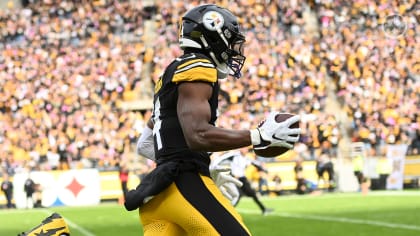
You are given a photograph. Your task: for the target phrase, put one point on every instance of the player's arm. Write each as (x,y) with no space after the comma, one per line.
(194,115)
(150,123)
(145,142)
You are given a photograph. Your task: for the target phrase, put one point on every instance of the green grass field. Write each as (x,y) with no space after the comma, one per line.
(338,214)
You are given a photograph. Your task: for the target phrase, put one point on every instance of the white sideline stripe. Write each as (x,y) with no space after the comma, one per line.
(345,195)
(74,225)
(338,219)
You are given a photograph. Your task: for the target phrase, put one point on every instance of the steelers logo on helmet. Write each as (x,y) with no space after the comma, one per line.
(213,20)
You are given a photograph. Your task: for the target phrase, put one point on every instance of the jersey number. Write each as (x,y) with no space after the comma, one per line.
(158,124)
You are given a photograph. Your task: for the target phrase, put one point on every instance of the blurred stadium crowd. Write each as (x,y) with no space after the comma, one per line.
(66,67)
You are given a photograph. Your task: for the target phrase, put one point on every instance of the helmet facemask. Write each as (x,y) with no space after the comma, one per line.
(236,57)
(227,51)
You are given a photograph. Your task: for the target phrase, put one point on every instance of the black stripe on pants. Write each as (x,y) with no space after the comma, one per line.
(197,194)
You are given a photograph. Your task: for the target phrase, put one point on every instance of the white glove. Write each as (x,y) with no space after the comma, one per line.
(273,133)
(227,184)
(145,144)
(230,191)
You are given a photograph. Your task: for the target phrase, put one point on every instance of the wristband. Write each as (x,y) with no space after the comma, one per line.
(255,136)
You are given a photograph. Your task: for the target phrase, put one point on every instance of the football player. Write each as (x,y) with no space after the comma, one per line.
(179,197)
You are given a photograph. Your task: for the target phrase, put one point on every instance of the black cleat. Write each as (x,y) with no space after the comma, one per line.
(268,211)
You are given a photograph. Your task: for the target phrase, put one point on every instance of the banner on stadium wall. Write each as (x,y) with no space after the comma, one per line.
(396,155)
(61,188)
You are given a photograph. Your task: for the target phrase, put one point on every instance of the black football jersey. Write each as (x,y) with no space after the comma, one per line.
(168,135)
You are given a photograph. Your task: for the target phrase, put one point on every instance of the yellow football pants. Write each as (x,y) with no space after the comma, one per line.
(192,205)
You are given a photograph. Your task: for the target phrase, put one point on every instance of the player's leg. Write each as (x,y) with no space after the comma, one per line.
(195,204)
(214,212)
(331,180)
(9,197)
(53,225)
(162,227)
(250,192)
(241,193)
(154,217)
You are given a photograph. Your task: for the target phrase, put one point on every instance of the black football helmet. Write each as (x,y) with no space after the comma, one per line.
(216,31)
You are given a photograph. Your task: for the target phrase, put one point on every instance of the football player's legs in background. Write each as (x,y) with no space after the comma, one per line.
(208,214)
(247,190)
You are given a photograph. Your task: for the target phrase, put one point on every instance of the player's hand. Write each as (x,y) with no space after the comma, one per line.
(230,191)
(273,133)
(145,144)
(227,184)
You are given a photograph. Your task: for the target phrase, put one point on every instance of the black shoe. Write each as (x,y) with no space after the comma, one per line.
(268,211)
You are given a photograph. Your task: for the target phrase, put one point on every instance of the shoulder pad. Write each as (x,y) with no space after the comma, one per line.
(195,67)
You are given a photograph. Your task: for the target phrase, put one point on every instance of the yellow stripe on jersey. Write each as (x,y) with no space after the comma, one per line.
(187,63)
(195,70)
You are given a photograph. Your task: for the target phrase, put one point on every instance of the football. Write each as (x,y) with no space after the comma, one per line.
(276,151)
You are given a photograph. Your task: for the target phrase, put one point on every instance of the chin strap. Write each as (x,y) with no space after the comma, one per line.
(222,68)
